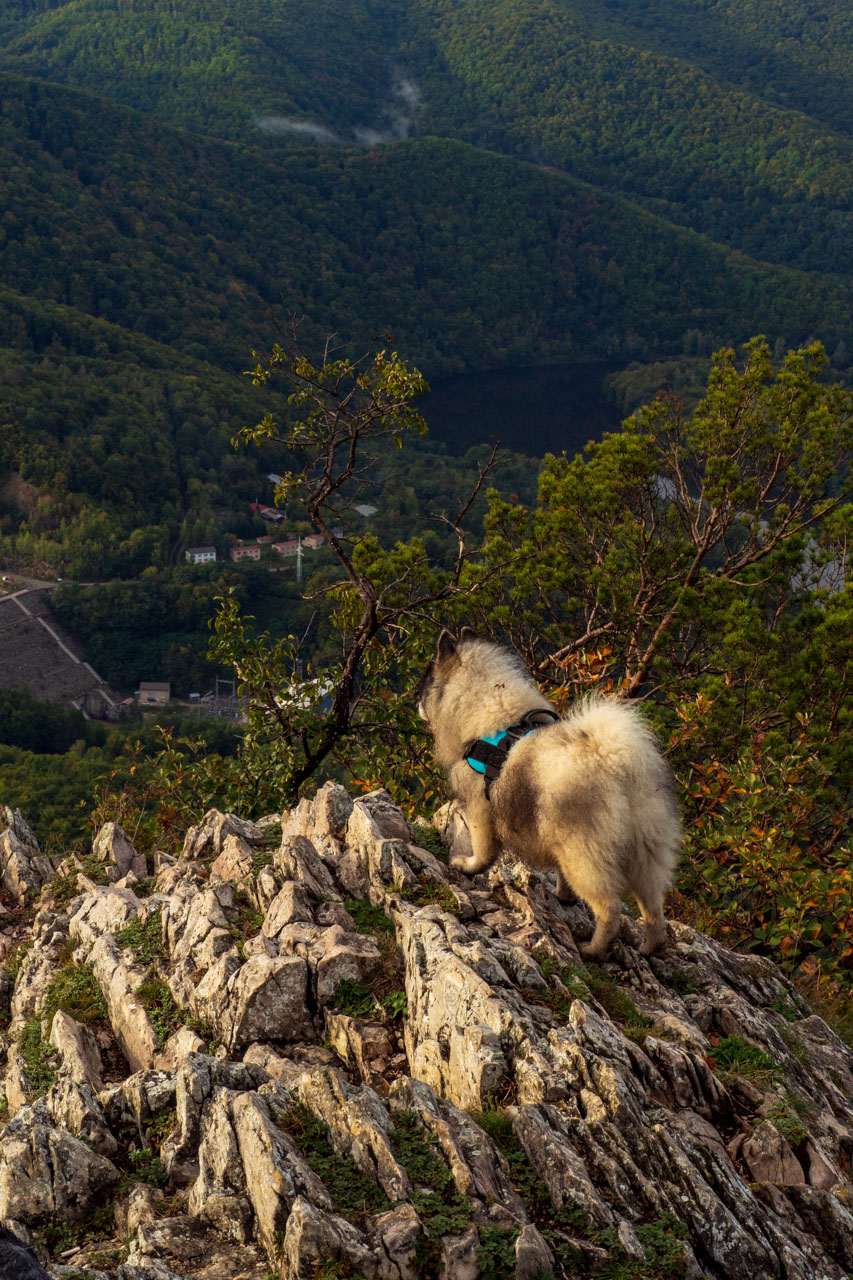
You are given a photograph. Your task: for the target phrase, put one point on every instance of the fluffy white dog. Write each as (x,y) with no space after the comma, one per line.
(589,794)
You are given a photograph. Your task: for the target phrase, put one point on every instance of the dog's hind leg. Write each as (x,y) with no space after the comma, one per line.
(651,909)
(481,831)
(564,891)
(608,913)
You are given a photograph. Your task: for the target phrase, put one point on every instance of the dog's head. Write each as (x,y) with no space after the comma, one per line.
(440,672)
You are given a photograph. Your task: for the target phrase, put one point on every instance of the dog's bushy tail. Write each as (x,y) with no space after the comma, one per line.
(616,733)
(617,739)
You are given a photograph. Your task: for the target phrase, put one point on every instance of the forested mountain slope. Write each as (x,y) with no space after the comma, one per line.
(798,53)
(698,107)
(489,186)
(471,259)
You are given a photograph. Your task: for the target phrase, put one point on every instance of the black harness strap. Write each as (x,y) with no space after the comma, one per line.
(488,755)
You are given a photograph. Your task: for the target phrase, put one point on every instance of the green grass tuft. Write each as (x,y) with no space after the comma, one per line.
(144,940)
(734,1056)
(352,1193)
(76,991)
(439,1205)
(368,918)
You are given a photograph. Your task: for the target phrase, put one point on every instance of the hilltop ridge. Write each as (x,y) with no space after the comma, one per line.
(306,1046)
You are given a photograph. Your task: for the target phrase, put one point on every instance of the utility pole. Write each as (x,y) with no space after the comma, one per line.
(299,559)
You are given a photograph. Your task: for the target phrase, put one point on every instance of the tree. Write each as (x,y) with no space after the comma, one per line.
(688,552)
(347,415)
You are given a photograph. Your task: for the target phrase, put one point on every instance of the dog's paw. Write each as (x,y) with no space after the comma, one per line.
(567,896)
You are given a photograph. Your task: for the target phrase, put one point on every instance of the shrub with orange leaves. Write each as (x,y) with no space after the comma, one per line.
(767,861)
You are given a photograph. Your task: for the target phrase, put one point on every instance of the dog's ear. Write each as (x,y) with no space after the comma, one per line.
(467,634)
(446,646)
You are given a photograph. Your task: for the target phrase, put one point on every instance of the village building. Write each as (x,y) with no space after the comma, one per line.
(200,555)
(314,541)
(290,547)
(154,692)
(246,551)
(267,513)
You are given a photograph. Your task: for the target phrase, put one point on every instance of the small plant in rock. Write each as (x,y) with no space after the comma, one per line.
(430,892)
(794,1044)
(163,1124)
(143,938)
(58,1237)
(62,888)
(248,921)
(426,837)
(367,918)
(37,1058)
(354,999)
(13,961)
(783,1006)
(788,1113)
(76,991)
(148,1167)
(661,1241)
(496,1253)
(440,1207)
(558,998)
(617,1003)
(352,1193)
(397,1004)
(164,1014)
(531,1188)
(678,981)
(733,1056)
(334,1270)
(93,869)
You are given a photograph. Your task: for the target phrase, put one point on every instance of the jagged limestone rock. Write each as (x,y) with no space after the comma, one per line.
(111,845)
(128,1016)
(106,909)
(137,1101)
(478,1168)
(23,868)
(314,1236)
(291,904)
(75,1109)
(46,1175)
(366,1046)
(208,838)
(235,863)
(184,1042)
(359,1127)
(275,1172)
(322,820)
(609,1100)
(78,1050)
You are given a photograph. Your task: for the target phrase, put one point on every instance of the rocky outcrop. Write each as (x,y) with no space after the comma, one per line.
(23,868)
(329,1053)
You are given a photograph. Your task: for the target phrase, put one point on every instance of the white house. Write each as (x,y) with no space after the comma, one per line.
(200,555)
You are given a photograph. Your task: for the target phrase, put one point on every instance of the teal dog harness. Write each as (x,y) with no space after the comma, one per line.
(487,755)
